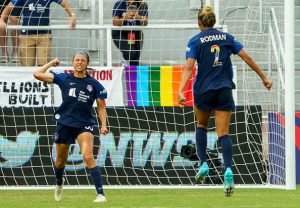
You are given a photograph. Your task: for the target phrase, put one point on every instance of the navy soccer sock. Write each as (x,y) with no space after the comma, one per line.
(96,177)
(201,142)
(226,144)
(59,172)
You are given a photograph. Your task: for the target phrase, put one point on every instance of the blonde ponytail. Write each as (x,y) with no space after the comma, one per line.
(207,16)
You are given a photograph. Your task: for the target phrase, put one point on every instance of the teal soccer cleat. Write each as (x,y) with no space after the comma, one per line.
(202,173)
(228,182)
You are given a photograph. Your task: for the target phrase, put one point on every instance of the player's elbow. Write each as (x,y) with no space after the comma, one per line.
(37,75)
(188,68)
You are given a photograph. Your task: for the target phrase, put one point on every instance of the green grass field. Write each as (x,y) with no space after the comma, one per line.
(206,198)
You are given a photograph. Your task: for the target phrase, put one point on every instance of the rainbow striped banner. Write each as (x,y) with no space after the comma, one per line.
(155,85)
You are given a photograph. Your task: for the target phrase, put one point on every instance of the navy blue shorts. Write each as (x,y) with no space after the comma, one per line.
(220,99)
(66,135)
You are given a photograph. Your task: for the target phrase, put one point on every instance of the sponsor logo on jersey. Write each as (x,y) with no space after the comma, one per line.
(72,92)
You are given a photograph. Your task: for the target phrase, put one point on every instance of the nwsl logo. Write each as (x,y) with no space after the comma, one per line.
(156,148)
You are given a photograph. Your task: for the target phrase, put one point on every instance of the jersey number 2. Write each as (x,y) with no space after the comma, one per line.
(216,49)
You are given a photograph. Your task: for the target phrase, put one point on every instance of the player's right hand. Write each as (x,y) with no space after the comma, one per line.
(181,99)
(55,62)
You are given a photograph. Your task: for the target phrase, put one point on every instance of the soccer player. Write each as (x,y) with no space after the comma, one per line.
(213,86)
(74,117)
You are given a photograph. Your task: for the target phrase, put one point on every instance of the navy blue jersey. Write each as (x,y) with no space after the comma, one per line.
(78,96)
(212,50)
(121,7)
(35,13)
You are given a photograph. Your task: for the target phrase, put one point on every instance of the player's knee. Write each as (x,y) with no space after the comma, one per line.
(60,162)
(88,159)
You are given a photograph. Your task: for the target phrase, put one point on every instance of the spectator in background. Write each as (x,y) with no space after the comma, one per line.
(130,42)
(14,19)
(35,43)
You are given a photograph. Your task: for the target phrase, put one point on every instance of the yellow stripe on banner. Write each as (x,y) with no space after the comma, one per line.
(166,89)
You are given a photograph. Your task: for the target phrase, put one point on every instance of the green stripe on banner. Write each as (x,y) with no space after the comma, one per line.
(154,86)
(142,85)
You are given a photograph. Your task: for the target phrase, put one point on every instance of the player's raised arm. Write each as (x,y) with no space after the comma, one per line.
(42,74)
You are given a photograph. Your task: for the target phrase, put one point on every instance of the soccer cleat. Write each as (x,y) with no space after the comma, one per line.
(202,173)
(58,192)
(100,198)
(228,182)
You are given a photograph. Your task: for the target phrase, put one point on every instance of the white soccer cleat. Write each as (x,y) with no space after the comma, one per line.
(58,192)
(100,198)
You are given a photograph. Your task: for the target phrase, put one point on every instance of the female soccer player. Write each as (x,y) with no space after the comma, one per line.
(74,117)
(213,88)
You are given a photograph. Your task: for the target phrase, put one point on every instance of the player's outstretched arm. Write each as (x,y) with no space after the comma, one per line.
(102,115)
(44,76)
(267,83)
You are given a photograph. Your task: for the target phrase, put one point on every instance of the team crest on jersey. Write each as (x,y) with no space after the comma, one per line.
(90,88)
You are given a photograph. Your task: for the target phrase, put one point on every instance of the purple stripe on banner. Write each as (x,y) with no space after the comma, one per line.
(130,73)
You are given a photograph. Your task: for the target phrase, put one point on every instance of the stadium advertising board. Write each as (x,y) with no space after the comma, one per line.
(19,88)
(127,155)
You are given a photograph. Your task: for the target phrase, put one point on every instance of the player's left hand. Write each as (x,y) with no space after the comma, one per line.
(103,130)
(181,100)
(268,83)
